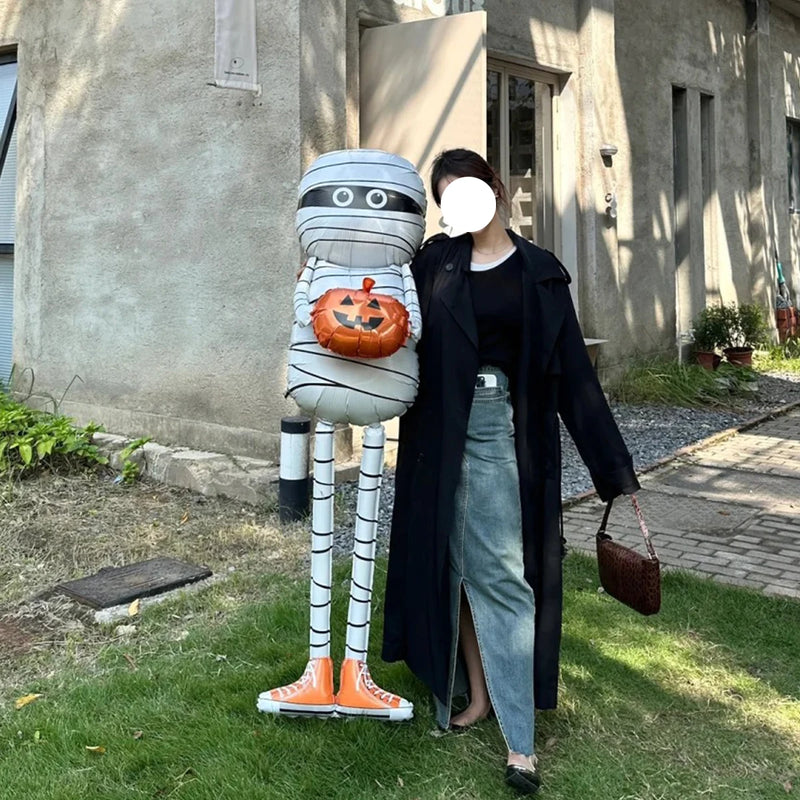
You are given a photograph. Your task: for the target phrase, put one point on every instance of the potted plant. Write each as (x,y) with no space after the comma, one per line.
(746,328)
(708,333)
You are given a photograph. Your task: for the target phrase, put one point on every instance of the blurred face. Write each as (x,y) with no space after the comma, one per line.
(468,204)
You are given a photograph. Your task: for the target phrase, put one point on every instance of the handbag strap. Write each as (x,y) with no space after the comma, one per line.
(601,533)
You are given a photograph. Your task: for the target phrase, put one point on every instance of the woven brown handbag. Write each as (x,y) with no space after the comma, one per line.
(626,575)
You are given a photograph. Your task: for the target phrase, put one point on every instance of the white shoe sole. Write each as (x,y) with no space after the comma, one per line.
(387,714)
(269,706)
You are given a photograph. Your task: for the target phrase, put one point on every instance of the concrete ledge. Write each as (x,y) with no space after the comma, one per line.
(251,480)
(211,474)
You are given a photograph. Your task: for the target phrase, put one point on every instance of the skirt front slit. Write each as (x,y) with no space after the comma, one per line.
(485,560)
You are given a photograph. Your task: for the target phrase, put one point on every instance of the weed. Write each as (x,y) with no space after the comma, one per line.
(130,467)
(780,357)
(665,382)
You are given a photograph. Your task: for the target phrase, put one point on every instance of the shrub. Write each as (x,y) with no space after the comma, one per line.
(31,440)
(709,329)
(745,325)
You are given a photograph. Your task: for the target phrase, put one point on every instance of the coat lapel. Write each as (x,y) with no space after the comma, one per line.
(453,289)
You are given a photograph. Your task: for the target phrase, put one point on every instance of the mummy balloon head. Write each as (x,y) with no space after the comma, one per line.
(361,208)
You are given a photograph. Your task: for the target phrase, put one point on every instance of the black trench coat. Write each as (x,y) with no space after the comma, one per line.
(554,377)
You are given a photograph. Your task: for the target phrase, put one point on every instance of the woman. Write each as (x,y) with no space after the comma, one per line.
(475,558)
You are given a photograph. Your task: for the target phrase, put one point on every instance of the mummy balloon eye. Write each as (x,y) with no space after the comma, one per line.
(377,198)
(342,196)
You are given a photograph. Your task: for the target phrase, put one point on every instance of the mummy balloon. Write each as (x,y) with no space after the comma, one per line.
(361,218)
(360,215)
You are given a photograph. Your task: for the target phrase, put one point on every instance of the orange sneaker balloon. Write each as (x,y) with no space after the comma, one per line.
(359,324)
(310,695)
(360,696)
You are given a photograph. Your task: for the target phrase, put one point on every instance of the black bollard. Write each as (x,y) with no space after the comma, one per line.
(293,486)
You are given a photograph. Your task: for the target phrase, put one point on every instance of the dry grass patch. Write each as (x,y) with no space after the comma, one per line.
(56,527)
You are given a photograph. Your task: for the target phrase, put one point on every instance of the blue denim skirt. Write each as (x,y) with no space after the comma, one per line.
(485,555)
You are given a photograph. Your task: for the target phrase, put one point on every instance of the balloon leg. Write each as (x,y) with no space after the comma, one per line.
(358,695)
(365,536)
(321,542)
(312,694)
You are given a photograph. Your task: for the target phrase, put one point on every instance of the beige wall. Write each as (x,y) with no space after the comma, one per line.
(156,248)
(785,35)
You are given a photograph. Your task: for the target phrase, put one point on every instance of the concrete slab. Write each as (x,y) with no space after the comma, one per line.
(729,510)
(747,487)
(212,474)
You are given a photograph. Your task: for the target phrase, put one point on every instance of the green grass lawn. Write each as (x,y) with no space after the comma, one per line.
(701,701)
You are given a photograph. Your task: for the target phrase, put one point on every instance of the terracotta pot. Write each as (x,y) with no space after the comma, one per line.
(786,323)
(739,356)
(706,359)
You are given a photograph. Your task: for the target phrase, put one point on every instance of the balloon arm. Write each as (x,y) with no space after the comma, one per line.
(411,302)
(302,306)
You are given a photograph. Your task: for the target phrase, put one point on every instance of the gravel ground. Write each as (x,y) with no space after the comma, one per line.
(650,432)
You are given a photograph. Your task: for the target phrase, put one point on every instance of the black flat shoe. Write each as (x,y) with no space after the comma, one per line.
(524,780)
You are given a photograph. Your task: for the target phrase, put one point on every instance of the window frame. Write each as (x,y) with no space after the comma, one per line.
(506,68)
(8,57)
(793,163)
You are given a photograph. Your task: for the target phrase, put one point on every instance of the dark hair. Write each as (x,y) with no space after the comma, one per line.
(462,163)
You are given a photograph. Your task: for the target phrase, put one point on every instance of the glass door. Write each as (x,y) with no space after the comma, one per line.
(519,145)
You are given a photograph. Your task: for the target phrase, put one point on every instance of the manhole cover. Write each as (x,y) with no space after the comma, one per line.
(113,586)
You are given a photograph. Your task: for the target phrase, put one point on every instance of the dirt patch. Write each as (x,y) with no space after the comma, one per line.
(61,527)
(56,528)
(15,640)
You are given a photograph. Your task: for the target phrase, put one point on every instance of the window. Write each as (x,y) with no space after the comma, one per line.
(8,151)
(793,158)
(8,183)
(519,146)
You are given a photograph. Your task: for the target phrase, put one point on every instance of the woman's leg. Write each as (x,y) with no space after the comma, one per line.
(479,705)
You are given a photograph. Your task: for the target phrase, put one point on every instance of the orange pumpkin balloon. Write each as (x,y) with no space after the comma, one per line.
(358,324)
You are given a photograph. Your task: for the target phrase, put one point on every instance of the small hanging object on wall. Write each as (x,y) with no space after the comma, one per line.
(235,49)
(360,324)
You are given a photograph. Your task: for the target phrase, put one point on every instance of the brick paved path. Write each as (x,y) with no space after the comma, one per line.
(729,510)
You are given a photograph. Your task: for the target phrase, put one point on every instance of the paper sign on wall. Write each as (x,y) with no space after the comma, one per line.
(235,54)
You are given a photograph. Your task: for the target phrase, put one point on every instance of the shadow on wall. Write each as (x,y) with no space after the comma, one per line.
(143,280)
(645,280)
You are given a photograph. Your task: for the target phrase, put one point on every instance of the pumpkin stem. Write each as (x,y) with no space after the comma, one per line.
(368,284)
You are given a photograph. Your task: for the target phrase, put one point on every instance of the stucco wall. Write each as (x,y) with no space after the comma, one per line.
(546,38)
(700,47)
(785,36)
(156,240)
(156,247)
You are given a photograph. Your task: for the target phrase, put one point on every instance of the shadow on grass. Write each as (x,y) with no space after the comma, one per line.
(692,702)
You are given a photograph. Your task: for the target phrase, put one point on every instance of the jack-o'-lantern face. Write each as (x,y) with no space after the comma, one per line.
(359,324)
